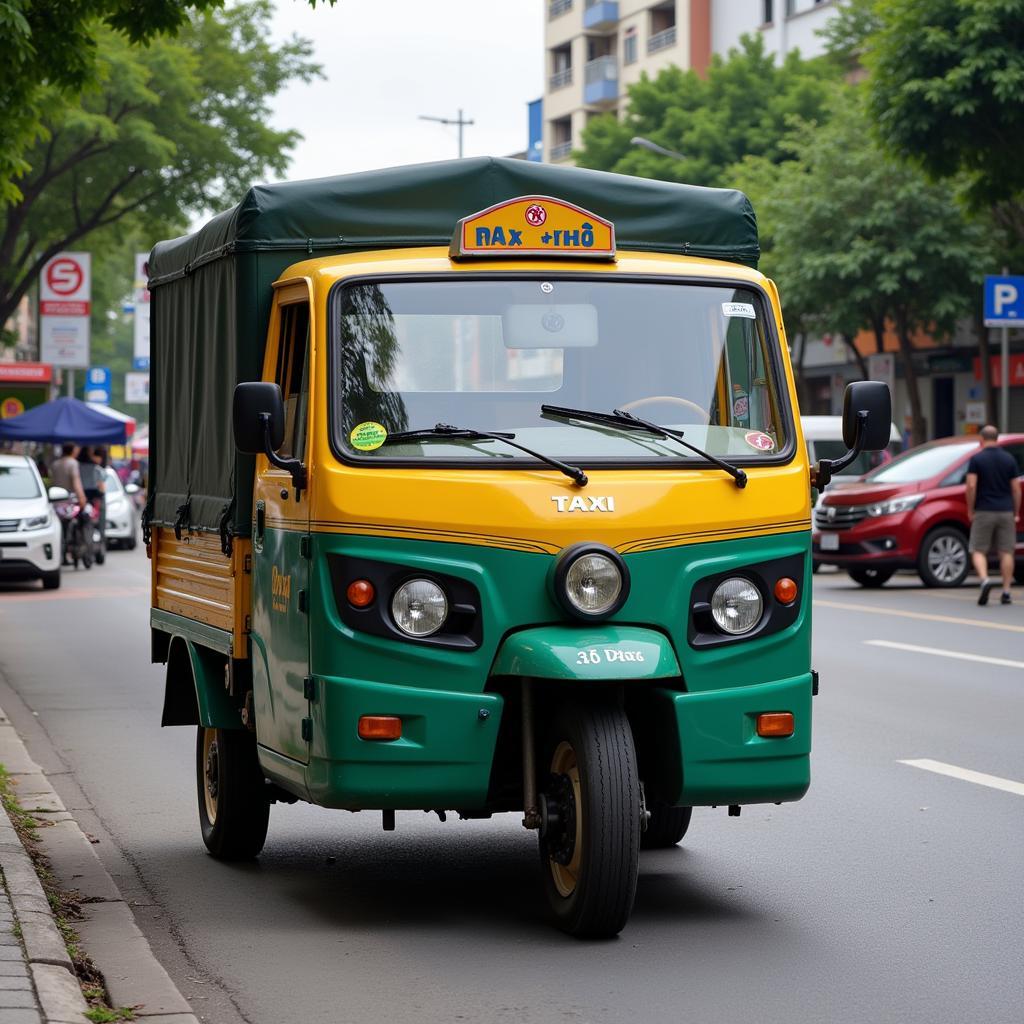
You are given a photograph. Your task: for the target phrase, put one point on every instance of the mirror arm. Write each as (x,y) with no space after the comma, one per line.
(821,474)
(293,466)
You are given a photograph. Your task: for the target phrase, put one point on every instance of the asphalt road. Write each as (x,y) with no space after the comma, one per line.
(890,893)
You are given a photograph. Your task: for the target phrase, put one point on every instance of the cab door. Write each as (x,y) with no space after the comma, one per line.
(280,621)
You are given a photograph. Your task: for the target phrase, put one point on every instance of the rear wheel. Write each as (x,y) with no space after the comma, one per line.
(233,808)
(590,842)
(666,827)
(943,560)
(871,577)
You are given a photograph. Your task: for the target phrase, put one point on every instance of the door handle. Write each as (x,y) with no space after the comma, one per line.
(261,521)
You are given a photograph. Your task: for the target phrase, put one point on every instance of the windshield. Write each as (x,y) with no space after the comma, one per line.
(922,463)
(18,482)
(486,354)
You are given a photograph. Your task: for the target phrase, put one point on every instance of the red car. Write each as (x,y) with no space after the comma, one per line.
(908,514)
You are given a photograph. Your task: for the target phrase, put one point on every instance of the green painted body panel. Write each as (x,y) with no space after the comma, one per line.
(699,716)
(280,643)
(587,653)
(215,707)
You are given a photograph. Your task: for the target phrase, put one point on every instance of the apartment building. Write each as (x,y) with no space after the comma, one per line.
(597,48)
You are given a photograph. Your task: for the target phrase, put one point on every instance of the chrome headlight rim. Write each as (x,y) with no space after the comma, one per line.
(565,561)
(396,619)
(761,606)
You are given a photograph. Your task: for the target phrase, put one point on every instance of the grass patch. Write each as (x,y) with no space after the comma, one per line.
(66,905)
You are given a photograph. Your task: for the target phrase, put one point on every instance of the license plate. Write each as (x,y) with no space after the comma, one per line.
(829,542)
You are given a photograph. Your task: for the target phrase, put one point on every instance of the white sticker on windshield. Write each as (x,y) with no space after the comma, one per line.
(739,309)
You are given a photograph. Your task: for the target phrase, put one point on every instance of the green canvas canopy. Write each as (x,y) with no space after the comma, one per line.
(211,290)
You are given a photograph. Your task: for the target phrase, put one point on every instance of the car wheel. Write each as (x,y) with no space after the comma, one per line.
(943,560)
(130,544)
(871,577)
(51,580)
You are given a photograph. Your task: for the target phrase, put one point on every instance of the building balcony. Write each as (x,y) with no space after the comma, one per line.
(560,150)
(558,7)
(662,40)
(560,79)
(601,80)
(600,15)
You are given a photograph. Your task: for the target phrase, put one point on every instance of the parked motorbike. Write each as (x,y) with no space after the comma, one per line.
(81,527)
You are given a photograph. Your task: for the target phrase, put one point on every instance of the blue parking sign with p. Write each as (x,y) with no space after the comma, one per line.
(1004,301)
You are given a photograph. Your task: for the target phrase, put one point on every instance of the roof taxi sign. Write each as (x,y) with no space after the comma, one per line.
(534,226)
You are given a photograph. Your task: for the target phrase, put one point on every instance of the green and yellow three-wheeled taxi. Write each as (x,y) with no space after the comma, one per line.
(479,486)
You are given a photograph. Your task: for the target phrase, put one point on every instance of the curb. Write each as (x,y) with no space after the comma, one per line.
(108,932)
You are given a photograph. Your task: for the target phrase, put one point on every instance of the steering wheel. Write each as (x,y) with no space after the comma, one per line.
(674,399)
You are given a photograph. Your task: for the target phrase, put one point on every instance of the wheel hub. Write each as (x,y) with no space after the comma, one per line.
(559,818)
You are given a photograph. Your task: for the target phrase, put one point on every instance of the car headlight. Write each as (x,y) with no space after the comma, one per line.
(591,581)
(894,506)
(419,607)
(35,522)
(736,605)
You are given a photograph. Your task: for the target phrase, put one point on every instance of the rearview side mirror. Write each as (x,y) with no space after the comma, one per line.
(58,494)
(257,407)
(867,411)
(867,419)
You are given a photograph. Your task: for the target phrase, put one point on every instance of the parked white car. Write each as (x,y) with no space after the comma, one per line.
(122,516)
(824,437)
(30,532)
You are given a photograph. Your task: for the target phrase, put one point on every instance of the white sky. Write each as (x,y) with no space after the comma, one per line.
(387,61)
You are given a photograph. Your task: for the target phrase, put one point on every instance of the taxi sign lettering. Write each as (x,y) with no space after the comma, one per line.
(534,226)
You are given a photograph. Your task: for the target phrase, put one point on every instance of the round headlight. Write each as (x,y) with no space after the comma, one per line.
(419,607)
(736,606)
(592,584)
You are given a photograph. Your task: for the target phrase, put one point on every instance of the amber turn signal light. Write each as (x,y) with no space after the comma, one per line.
(360,593)
(785,590)
(775,723)
(381,727)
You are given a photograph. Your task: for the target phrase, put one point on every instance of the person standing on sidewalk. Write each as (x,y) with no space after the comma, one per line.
(993,504)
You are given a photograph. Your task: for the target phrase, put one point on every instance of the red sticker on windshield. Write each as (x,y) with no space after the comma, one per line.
(762,442)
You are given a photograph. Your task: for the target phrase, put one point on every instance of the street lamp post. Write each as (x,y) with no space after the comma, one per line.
(460,121)
(643,143)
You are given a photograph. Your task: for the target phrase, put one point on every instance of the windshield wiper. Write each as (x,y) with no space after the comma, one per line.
(627,421)
(447,431)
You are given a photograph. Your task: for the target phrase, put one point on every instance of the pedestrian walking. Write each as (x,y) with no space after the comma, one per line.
(993,504)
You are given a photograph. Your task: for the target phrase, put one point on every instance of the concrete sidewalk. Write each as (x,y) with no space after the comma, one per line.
(37,977)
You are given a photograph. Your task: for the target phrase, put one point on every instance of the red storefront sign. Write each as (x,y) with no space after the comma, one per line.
(996,367)
(26,373)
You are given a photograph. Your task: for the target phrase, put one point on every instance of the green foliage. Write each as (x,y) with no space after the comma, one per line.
(855,237)
(947,89)
(741,108)
(172,129)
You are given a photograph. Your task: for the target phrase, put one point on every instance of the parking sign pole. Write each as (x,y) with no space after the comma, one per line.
(1004,388)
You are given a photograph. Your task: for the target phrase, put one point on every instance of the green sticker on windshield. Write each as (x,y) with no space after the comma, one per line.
(368,436)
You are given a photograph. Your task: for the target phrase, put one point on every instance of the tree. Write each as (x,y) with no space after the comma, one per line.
(946,89)
(859,240)
(175,128)
(742,107)
(52,52)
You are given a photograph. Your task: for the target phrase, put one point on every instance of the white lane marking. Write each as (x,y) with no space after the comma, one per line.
(899,613)
(962,655)
(979,778)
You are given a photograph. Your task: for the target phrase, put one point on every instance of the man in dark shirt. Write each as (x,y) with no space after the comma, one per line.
(993,504)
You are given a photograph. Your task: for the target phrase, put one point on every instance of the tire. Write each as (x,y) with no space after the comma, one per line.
(590,842)
(666,827)
(871,578)
(51,580)
(1018,574)
(101,555)
(943,560)
(815,567)
(130,544)
(233,808)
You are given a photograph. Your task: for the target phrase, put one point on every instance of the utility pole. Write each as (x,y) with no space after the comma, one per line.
(460,121)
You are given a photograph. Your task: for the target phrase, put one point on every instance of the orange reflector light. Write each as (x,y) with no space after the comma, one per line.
(382,727)
(775,723)
(360,593)
(785,590)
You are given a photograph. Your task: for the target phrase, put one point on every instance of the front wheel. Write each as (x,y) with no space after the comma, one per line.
(233,808)
(51,580)
(871,577)
(666,826)
(943,560)
(590,840)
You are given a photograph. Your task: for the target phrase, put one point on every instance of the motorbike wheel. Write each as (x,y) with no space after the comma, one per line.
(591,806)
(233,808)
